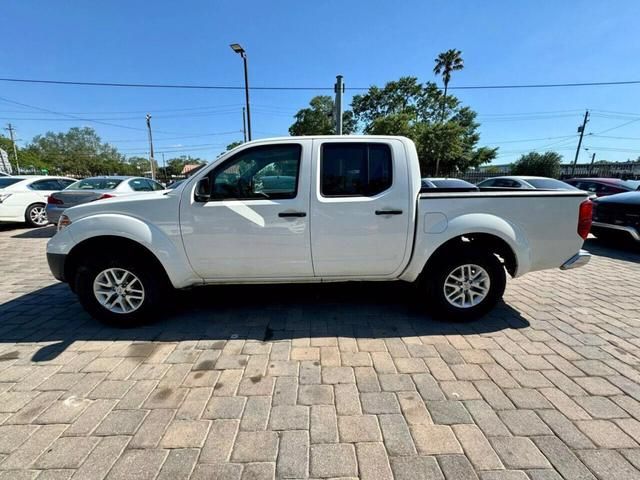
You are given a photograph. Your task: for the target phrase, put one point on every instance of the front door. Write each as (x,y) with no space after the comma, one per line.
(254,224)
(360,208)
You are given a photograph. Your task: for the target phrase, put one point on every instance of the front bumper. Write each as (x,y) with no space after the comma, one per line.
(56,265)
(578,260)
(632,232)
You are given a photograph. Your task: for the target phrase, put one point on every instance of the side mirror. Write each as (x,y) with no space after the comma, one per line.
(203,190)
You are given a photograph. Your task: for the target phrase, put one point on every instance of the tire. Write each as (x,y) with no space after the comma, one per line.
(36,215)
(478,296)
(129,309)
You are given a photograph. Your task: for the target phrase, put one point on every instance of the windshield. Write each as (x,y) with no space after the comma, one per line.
(452,183)
(5,182)
(95,184)
(549,183)
(633,184)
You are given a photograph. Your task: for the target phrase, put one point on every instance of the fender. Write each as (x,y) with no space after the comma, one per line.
(164,242)
(467,224)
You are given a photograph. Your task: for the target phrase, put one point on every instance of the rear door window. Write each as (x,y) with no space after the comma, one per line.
(48,184)
(355,169)
(5,182)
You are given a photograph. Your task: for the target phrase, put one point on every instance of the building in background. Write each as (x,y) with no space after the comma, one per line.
(5,166)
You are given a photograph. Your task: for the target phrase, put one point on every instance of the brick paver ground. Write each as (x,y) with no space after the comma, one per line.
(322,381)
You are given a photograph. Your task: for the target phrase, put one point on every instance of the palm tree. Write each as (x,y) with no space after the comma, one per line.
(446,63)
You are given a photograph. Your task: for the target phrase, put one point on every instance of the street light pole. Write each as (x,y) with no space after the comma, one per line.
(153,173)
(240,51)
(244,124)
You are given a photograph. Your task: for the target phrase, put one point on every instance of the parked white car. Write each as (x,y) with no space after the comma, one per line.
(314,209)
(23,198)
(526,183)
(97,188)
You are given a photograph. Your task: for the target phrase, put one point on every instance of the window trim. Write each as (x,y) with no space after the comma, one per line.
(354,195)
(211,174)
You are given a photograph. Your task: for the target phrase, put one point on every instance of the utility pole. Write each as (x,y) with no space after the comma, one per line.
(13,141)
(151,159)
(339,90)
(164,169)
(244,124)
(593,159)
(581,131)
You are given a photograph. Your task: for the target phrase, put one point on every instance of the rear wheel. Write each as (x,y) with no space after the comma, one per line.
(36,215)
(120,291)
(464,286)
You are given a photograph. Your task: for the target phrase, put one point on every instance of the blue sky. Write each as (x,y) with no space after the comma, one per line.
(305,44)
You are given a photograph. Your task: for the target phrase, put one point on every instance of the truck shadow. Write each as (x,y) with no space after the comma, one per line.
(617,249)
(53,316)
(42,232)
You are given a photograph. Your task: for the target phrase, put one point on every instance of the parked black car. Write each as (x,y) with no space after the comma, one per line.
(617,215)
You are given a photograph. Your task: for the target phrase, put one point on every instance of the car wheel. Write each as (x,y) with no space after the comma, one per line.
(465,286)
(36,215)
(120,291)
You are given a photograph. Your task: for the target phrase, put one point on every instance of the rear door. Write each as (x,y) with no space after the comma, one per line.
(360,208)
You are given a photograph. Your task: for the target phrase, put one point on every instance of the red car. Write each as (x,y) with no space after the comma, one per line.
(602,187)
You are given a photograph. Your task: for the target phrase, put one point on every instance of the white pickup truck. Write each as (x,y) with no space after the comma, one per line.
(314,209)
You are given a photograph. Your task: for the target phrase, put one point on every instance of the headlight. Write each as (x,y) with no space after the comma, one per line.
(4,196)
(63,222)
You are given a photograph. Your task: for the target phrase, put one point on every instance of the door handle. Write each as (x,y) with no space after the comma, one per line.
(388,212)
(292,214)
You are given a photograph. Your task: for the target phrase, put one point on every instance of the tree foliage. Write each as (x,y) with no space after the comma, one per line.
(174,166)
(409,108)
(542,164)
(318,118)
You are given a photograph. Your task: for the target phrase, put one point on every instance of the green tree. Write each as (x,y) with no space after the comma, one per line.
(543,164)
(28,157)
(233,145)
(409,108)
(78,151)
(447,62)
(174,166)
(317,119)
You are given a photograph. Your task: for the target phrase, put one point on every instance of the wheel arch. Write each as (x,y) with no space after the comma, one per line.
(109,243)
(33,204)
(480,240)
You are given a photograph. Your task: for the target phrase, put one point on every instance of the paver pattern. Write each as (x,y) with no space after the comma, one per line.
(322,381)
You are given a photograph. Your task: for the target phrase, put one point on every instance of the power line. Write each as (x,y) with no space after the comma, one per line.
(235,87)
(70,116)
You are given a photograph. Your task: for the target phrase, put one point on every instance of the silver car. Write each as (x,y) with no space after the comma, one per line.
(526,183)
(96,188)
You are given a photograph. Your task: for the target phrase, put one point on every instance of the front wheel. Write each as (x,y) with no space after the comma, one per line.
(120,291)
(465,286)
(36,215)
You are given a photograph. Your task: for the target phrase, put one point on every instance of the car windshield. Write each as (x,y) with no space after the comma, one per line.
(452,183)
(633,184)
(95,184)
(550,183)
(5,182)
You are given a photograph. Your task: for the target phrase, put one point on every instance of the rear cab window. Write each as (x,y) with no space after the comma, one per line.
(355,169)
